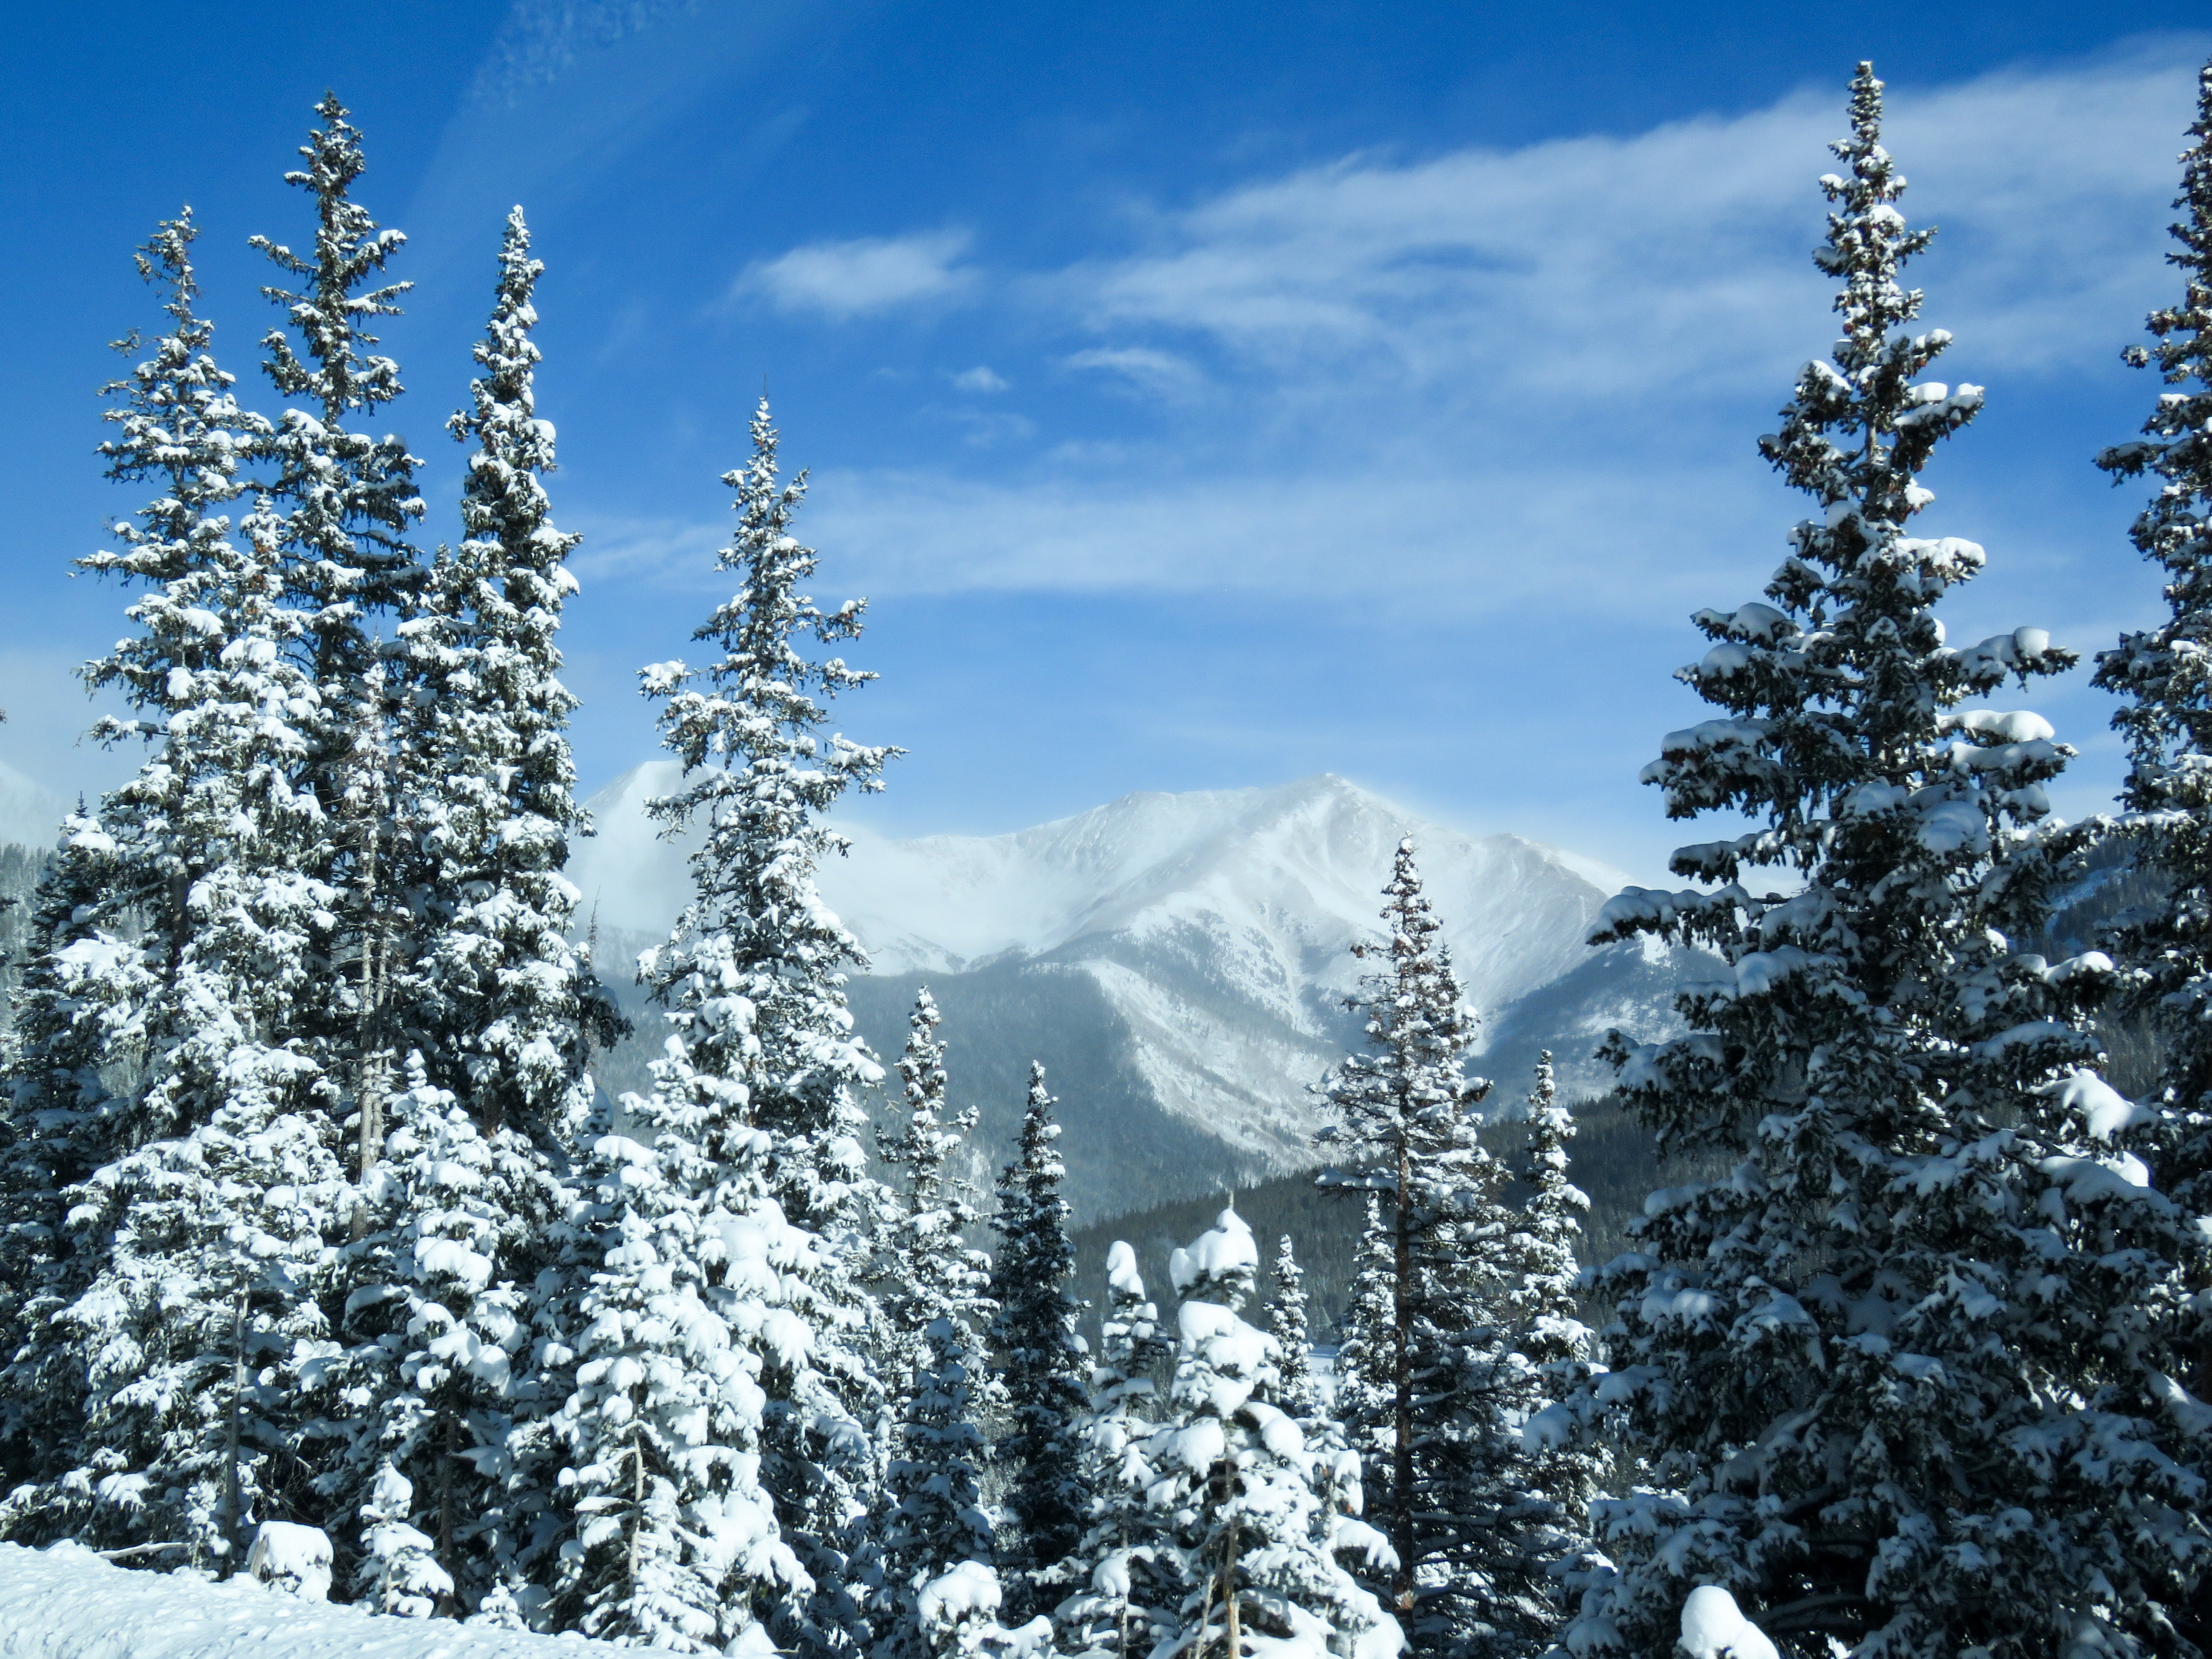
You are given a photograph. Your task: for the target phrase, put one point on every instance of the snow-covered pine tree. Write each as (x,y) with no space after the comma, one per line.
(1126,1589)
(695,1330)
(400,1572)
(1041,1362)
(348,501)
(1558,1474)
(204,1227)
(82,986)
(489,985)
(511,1001)
(1261,1552)
(1287,1324)
(443,1333)
(1365,1394)
(2167,713)
(1897,1374)
(350,496)
(758,777)
(1519,1485)
(1407,1133)
(935,1303)
(928,1271)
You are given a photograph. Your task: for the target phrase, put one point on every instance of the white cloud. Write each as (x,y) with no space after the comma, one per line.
(873,273)
(1673,261)
(981,378)
(1145,370)
(1498,379)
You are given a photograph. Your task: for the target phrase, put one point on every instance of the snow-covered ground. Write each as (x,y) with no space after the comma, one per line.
(67,1603)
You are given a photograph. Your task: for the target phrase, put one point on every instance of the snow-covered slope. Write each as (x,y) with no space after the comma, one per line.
(1211,931)
(30,813)
(67,1603)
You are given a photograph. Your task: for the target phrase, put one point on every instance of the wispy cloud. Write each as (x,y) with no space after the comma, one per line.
(540,38)
(1498,379)
(847,279)
(1145,370)
(1672,260)
(980,378)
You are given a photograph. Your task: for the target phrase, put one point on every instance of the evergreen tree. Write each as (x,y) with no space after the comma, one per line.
(1896,1373)
(1542,1311)
(1042,1358)
(695,1326)
(2167,716)
(350,496)
(928,1271)
(1286,1323)
(512,1004)
(935,1305)
(1127,1591)
(1365,1393)
(203,1228)
(489,983)
(450,1360)
(1260,1547)
(1408,1134)
(758,778)
(1520,1495)
(400,1571)
(83,986)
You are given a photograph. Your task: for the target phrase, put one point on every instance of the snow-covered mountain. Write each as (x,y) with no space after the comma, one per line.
(1179,961)
(30,813)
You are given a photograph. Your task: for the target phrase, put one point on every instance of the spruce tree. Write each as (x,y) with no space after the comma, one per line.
(1041,1359)
(1542,1316)
(83,986)
(204,1227)
(479,972)
(508,998)
(1286,1323)
(350,497)
(2168,949)
(1125,1589)
(696,1327)
(1895,1374)
(1520,1493)
(1365,1394)
(1407,1134)
(928,1272)
(450,1333)
(935,1304)
(1257,1525)
(753,979)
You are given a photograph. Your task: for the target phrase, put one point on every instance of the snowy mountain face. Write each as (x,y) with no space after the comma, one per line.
(1179,962)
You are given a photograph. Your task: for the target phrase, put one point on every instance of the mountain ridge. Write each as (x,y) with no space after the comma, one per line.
(1188,955)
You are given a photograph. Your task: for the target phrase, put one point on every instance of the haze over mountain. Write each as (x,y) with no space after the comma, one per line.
(1178,962)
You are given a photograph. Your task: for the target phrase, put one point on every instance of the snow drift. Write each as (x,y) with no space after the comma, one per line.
(67,1603)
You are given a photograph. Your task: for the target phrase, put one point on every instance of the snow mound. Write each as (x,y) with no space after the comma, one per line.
(1714,1628)
(67,1603)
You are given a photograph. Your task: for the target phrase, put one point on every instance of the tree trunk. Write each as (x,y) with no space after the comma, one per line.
(1236,1635)
(232,1503)
(1402,1376)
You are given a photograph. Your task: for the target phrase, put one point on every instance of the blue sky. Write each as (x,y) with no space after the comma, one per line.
(1202,396)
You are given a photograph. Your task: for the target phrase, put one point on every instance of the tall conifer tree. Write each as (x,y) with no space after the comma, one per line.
(1891,1370)
(754,981)
(1041,1356)
(1406,1136)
